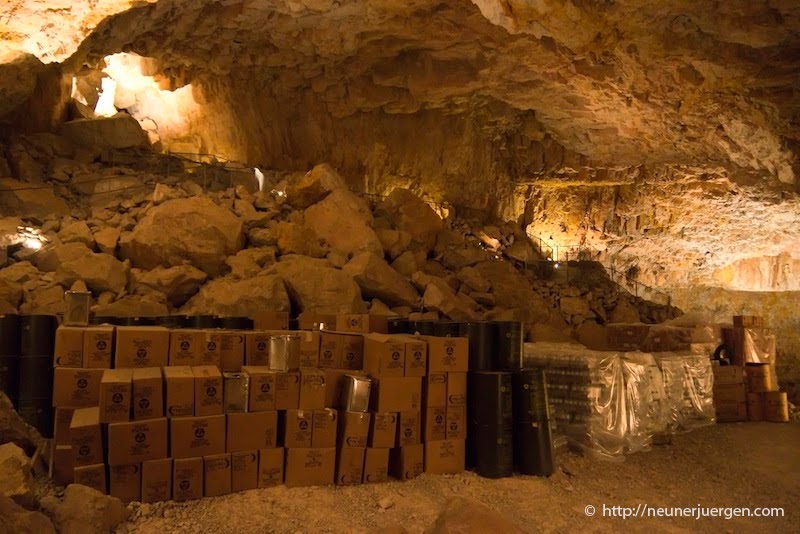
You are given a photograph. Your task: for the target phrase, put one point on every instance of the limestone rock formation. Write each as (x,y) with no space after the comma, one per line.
(50,257)
(16,481)
(100,272)
(229,296)
(313,186)
(378,280)
(177,283)
(439,296)
(107,239)
(29,199)
(624,312)
(132,306)
(16,519)
(85,510)
(512,290)
(119,131)
(315,285)
(248,262)
(395,242)
(411,214)
(14,430)
(298,239)
(344,221)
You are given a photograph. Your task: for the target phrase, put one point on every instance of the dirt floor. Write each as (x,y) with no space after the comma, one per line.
(733,465)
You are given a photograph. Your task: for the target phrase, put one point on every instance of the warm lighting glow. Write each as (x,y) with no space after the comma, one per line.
(259,178)
(33,244)
(278,193)
(105,104)
(557,265)
(31,238)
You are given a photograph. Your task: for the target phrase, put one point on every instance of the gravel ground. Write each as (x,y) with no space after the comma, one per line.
(735,465)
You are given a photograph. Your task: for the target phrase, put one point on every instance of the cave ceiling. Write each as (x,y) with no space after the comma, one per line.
(621,82)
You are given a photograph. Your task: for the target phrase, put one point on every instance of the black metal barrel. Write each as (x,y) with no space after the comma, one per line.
(137,321)
(9,355)
(533,440)
(530,396)
(490,450)
(36,371)
(398,326)
(425,328)
(172,321)
(447,329)
(481,336)
(104,319)
(489,399)
(235,323)
(510,337)
(203,321)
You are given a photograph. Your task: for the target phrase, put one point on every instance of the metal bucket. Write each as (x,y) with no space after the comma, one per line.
(355,393)
(284,352)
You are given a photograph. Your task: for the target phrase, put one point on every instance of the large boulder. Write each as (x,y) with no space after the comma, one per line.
(394,242)
(77,232)
(473,279)
(298,239)
(410,213)
(466,516)
(315,285)
(377,279)
(107,239)
(17,520)
(14,430)
(440,296)
(100,272)
(194,229)
(512,290)
(592,335)
(20,272)
(16,481)
(47,299)
(229,296)
(178,284)
(119,131)
(313,186)
(10,292)
(85,510)
(249,262)
(624,312)
(49,258)
(132,306)
(29,199)
(344,221)
(574,306)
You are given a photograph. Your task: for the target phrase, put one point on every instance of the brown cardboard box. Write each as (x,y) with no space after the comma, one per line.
(352,351)
(334,384)
(330,350)
(262,388)
(141,346)
(728,374)
(179,383)
(137,441)
(92,476)
(125,482)
(416,356)
(185,346)
(755,407)
(207,390)
(256,351)
(776,406)
(148,393)
(298,428)
(231,352)
(63,418)
(730,393)
(244,470)
(457,422)
(456,389)
(434,423)
(309,348)
(626,336)
(444,457)
(384,355)
(76,388)
(157,480)
(312,321)
(409,428)
(197,436)
(376,465)
(312,389)
(310,467)
(210,348)
(354,429)
(62,473)
(447,354)
(187,479)
(382,430)
(287,390)
(349,466)
(748,321)
(68,351)
(115,395)
(731,412)
(216,475)
(252,431)
(270,467)
(98,346)
(86,437)
(326,422)
(271,320)
(406,463)
(362,323)
(434,389)
(396,394)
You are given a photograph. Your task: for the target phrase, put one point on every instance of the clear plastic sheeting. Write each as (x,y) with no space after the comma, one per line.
(648,407)
(688,384)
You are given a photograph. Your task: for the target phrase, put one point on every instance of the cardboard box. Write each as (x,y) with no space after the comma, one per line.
(68,351)
(406,463)
(354,429)
(362,323)
(444,457)
(115,395)
(186,346)
(98,346)
(447,354)
(309,348)
(197,436)
(457,422)
(271,320)
(409,428)
(257,348)
(456,389)
(92,476)
(728,374)
(244,470)
(334,385)
(262,388)
(231,352)
(62,470)
(179,384)
(434,423)
(316,321)
(207,390)
(382,430)
(298,428)
(157,480)
(125,482)
(755,407)
(730,393)
(310,467)
(330,350)
(187,479)
(349,466)
(86,437)
(326,422)
(376,465)
(384,355)
(748,321)
(148,393)
(434,389)
(62,420)
(137,441)
(287,390)
(352,351)
(393,394)
(251,431)
(270,467)
(141,346)
(626,336)
(312,389)
(416,356)
(210,348)
(76,388)
(731,412)
(216,475)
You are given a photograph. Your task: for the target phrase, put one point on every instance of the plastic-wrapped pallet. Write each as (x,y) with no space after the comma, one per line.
(688,385)
(647,408)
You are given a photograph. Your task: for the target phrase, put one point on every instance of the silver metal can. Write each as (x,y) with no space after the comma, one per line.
(78,305)
(284,352)
(236,389)
(355,393)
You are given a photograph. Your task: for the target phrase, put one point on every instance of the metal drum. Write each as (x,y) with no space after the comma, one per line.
(203,321)
(173,321)
(530,396)
(490,450)
(399,326)
(426,328)
(235,323)
(489,399)
(137,321)
(104,319)
(9,355)
(284,352)
(533,448)
(481,336)
(510,340)
(38,335)
(447,329)
(35,394)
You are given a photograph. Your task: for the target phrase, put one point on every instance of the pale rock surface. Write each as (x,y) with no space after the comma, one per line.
(119,131)
(592,335)
(250,261)
(177,283)
(298,239)
(132,306)
(100,272)
(229,296)
(315,285)
(344,221)
(624,312)
(85,510)
(377,307)
(29,199)
(14,430)
(378,280)
(50,257)
(163,192)
(439,296)
(17,520)
(20,272)
(263,237)
(47,299)
(16,481)
(107,239)
(10,293)
(395,242)
(77,232)
(512,290)
(467,516)
(574,306)
(409,213)
(313,186)
(473,279)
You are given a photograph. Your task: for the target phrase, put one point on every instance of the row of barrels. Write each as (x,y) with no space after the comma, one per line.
(179,321)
